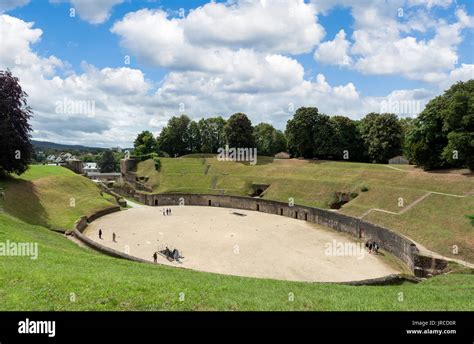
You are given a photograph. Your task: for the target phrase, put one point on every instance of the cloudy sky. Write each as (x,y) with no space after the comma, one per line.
(99,72)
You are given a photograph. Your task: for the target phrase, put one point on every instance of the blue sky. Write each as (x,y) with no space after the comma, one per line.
(261,57)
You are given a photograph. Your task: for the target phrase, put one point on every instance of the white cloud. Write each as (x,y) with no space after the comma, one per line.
(335,51)
(385,44)
(92,11)
(216,36)
(17,36)
(126,103)
(270,26)
(464,73)
(96,11)
(227,58)
(6,5)
(162,41)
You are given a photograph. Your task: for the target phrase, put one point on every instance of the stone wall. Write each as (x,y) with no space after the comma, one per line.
(126,169)
(118,198)
(75,166)
(128,174)
(103,212)
(82,223)
(394,243)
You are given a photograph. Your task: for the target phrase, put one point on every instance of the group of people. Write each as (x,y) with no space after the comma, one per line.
(372,246)
(166,211)
(114,236)
(171,255)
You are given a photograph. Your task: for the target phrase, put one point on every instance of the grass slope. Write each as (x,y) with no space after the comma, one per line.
(68,277)
(51,196)
(438,222)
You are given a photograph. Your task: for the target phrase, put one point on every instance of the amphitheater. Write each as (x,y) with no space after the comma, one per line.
(240,242)
(252,237)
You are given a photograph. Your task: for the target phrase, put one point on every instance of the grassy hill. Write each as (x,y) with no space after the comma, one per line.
(51,196)
(437,222)
(68,277)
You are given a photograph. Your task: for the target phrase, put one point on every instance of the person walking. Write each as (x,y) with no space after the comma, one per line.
(114,237)
(155,257)
(100,233)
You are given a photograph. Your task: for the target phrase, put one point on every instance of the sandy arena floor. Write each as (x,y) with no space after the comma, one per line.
(260,245)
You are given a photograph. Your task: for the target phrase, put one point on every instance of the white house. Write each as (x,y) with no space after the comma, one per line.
(90,167)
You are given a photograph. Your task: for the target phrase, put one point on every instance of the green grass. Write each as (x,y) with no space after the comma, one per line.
(69,277)
(437,226)
(437,223)
(97,282)
(52,196)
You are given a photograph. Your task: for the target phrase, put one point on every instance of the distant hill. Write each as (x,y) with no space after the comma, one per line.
(51,145)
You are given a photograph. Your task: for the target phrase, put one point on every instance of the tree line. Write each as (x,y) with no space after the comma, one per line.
(442,135)
(183,136)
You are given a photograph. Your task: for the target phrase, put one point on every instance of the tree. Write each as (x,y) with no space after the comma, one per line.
(107,162)
(300,132)
(324,138)
(145,144)
(279,142)
(382,134)
(443,133)
(174,138)
(239,131)
(269,141)
(310,134)
(193,138)
(459,151)
(347,139)
(212,134)
(407,124)
(15,144)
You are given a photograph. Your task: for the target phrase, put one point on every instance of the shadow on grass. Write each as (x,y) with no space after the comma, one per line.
(261,160)
(21,201)
(454,171)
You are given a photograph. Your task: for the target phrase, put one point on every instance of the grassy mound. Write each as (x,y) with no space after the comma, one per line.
(437,222)
(52,196)
(68,277)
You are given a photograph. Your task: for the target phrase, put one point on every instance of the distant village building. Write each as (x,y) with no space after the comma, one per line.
(62,159)
(282,155)
(97,176)
(399,160)
(90,167)
(51,158)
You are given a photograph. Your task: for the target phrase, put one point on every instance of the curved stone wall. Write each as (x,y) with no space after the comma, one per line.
(81,225)
(392,242)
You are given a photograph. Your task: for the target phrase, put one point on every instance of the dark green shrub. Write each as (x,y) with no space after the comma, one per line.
(157,163)
(471,218)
